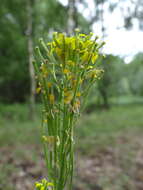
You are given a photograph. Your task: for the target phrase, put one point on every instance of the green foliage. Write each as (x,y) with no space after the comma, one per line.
(111,82)
(135,75)
(13,80)
(14,119)
(50,16)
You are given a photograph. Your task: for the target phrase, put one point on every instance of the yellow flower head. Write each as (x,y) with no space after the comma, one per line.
(49,84)
(38,185)
(45,121)
(50,184)
(85,56)
(64,46)
(43,185)
(96,73)
(71,63)
(66,71)
(78,94)
(94,57)
(51,98)
(68,95)
(38,90)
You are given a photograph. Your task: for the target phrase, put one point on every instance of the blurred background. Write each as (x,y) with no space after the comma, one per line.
(109,134)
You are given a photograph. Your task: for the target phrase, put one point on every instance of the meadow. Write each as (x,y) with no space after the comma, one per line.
(109,148)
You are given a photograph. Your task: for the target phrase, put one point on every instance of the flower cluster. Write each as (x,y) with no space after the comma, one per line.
(66,69)
(69,64)
(44,185)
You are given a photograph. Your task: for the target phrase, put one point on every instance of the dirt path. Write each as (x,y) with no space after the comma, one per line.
(115,167)
(118,167)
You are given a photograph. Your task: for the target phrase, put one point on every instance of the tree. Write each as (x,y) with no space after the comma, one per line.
(29,32)
(135,75)
(110,83)
(13,81)
(72,22)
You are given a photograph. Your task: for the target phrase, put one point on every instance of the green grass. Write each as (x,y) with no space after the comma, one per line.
(100,128)
(16,127)
(124,100)
(20,137)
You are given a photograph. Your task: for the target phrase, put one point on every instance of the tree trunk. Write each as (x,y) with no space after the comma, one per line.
(30,52)
(105,99)
(104,91)
(72,16)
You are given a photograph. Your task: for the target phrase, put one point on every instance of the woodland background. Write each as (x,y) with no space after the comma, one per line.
(109,134)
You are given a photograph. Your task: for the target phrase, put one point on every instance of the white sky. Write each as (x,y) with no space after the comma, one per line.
(118,41)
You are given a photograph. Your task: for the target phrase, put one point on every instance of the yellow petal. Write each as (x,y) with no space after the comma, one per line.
(94,58)
(85,56)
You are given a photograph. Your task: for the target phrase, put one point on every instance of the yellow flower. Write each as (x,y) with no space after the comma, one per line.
(49,44)
(44,181)
(70,63)
(94,58)
(67,100)
(43,185)
(59,52)
(69,76)
(80,81)
(78,94)
(71,41)
(74,82)
(45,121)
(50,184)
(85,57)
(90,67)
(49,84)
(87,44)
(82,35)
(51,98)
(49,139)
(68,97)
(38,185)
(66,71)
(95,73)
(38,90)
